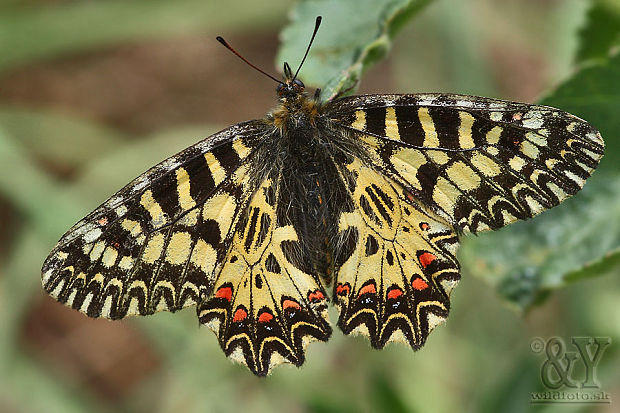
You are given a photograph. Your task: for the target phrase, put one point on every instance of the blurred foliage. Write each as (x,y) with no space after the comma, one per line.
(29,32)
(601,32)
(342,52)
(57,162)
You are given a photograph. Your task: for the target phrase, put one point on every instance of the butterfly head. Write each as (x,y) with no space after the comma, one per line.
(296,110)
(291,87)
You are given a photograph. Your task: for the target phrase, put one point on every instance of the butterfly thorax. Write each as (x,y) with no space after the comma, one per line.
(301,165)
(296,129)
(294,113)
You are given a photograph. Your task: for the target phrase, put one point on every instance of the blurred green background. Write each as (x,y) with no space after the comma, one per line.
(92,93)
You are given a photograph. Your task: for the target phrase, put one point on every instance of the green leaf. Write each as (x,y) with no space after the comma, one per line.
(593,94)
(342,52)
(601,31)
(578,239)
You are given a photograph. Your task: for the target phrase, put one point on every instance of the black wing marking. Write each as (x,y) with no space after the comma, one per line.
(266,305)
(155,244)
(480,163)
(396,265)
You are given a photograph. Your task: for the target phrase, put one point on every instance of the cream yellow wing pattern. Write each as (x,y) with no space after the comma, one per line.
(479,163)
(267,305)
(157,243)
(396,264)
(434,166)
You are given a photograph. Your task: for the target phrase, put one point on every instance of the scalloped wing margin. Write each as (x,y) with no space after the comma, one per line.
(267,305)
(396,265)
(479,163)
(155,244)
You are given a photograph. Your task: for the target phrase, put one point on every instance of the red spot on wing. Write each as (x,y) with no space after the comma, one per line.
(368,289)
(316,295)
(419,284)
(424,226)
(426,259)
(343,289)
(102,221)
(265,317)
(290,304)
(240,315)
(224,292)
(395,293)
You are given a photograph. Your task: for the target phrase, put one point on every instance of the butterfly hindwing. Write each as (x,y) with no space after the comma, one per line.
(480,163)
(397,266)
(155,244)
(265,307)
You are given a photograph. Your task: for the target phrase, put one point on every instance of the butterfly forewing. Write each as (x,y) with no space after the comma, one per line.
(155,244)
(480,163)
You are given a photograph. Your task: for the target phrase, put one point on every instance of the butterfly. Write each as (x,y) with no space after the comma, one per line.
(360,200)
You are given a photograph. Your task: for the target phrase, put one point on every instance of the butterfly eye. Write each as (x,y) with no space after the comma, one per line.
(299,83)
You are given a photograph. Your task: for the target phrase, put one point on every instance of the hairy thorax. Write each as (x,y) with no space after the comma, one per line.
(294,114)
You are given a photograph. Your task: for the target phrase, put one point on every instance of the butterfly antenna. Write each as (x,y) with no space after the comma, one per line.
(317,23)
(229,47)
